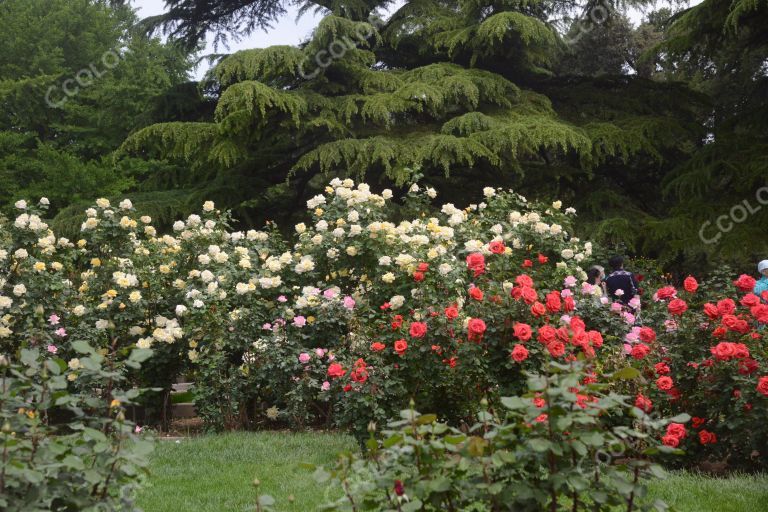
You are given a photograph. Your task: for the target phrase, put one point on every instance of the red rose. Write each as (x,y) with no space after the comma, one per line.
(666,292)
(748,366)
(750,300)
(745,283)
(569,304)
(698,422)
(423,267)
(677,429)
(723,351)
(476,263)
(730,321)
(476,293)
(553,302)
(496,247)
(706,437)
(418,276)
(528,294)
(671,441)
(359,374)
(522,331)
(401,346)
(640,350)
(543,259)
(740,351)
(690,284)
(538,309)
(451,312)
(664,383)
(760,312)
(661,369)
(643,403)
(677,307)
(762,386)
(539,402)
(556,349)
(524,280)
(335,371)
(726,307)
(377,346)
(546,334)
(399,489)
(527,263)
(397,322)
(418,329)
(596,339)
(647,335)
(711,311)
(519,353)
(385,306)
(476,329)
(719,332)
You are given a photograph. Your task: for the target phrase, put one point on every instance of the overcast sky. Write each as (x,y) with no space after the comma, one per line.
(287,30)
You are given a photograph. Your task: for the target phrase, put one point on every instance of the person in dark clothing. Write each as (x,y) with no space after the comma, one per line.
(620,284)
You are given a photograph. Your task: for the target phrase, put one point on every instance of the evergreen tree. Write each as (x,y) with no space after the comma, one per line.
(460,91)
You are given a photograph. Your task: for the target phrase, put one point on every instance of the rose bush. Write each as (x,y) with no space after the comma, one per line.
(372,303)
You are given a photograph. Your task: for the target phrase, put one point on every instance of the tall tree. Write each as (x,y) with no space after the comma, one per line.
(75,79)
(462,91)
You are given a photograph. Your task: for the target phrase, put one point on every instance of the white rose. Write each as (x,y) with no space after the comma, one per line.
(20,204)
(208,206)
(126,204)
(19,290)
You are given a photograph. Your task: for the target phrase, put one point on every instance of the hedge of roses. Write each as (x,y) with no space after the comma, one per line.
(364,311)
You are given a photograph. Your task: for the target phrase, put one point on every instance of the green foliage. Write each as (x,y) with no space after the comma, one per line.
(66,443)
(549,449)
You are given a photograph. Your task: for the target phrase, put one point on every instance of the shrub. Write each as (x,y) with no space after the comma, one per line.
(67,446)
(546,450)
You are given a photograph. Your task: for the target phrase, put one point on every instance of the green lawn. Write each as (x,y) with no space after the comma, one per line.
(215,473)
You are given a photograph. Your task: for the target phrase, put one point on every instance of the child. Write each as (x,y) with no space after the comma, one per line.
(762,284)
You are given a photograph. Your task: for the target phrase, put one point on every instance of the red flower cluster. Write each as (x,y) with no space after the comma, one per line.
(476,263)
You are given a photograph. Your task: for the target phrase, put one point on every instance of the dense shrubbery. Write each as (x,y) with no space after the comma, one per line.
(547,449)
(366,311)
(67,446)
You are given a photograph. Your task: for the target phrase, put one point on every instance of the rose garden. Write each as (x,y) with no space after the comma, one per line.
(295,255)
(461,348)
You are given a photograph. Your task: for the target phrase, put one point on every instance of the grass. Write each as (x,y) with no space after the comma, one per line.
(691,492)
(215,473)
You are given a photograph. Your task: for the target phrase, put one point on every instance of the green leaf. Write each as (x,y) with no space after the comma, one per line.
(680,418)
(626,373)
(539,445)
(426,419)
(514,402)
(82,347)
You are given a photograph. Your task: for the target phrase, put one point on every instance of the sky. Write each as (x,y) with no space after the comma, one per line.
(287,30)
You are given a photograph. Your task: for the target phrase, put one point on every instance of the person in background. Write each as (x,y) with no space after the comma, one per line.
(762,283)
(620,284)
(595,277)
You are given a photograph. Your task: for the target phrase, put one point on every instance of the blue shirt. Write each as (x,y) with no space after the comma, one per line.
(761,286)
